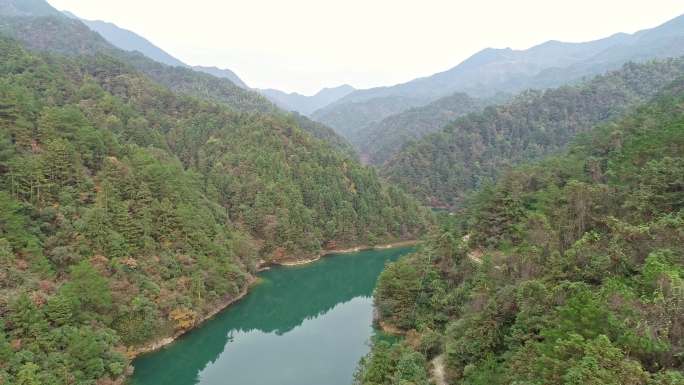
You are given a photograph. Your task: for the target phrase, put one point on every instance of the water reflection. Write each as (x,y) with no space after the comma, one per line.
(302,325)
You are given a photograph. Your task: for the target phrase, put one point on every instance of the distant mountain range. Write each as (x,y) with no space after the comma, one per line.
(42,28)
(307,104)
(131,41)
(491,71)
(443,167)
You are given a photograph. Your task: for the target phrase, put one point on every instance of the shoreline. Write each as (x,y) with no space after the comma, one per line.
(132,353)
(220,306)
(354,249)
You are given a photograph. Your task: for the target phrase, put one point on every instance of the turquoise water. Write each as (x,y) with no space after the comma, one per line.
(304,325)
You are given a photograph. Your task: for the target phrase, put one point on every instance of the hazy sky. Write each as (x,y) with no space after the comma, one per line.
(304,45)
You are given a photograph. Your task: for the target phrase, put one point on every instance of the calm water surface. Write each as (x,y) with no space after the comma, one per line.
(306,325)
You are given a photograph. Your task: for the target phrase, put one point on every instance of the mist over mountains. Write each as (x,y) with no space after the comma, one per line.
(307,104)
(494,73)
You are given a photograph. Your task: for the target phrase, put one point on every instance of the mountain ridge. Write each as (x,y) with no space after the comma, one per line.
(443,167)
(67,35)
(492,70)
(128,40)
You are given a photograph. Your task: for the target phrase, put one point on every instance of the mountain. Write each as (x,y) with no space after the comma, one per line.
(130,41)
(26,8)
(491,71)
(352,119)
(66,36)
(381,140)
(131,210)
(222,73)
(69,36)
(324,133)
(566,271)
(443,167)
(307,104)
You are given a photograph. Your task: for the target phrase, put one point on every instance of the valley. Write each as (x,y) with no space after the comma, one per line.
(515,219)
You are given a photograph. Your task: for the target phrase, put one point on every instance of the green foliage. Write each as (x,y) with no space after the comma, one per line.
(88,289)
(381,140)
(444,167)
(575,360)
(394,364)
(398,290)
(567,271)
(123,203)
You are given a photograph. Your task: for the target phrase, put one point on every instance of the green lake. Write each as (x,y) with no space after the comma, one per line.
(304,325)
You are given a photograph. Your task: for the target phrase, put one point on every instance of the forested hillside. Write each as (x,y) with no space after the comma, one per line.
(568,271)
(130,41)
(324,133)
(350,120)
(443,167)
(380,141)
(60,34)
(69,36)
(128,211)
(222,73)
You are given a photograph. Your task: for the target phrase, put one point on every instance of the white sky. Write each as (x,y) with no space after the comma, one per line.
(304,45)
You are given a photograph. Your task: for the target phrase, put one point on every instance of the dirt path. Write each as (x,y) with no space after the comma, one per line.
(437,371)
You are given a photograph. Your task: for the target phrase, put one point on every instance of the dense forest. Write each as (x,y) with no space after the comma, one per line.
(442,168)
(351,119)
(380,141)
(128,211)
(567,271)
(138,198)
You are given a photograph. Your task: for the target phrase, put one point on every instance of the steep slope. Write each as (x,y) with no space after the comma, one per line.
(71,37)
(490,71)
(129,212)
(307,104)
(130,41)
(352,119)
(324,133)
(67,36)
(380,141)
(442,167)
(569,271)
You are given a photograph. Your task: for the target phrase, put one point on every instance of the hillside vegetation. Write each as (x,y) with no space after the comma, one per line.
(129,211)
(56,33)
(568,271)
(442,168)
(381,141)
(60,34)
